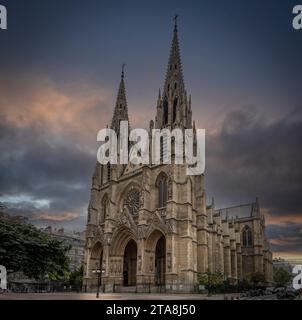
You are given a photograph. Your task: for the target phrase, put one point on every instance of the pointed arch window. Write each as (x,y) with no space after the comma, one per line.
(105,205)
(108,171)
(165,110)
(102,178)
(174,109)
(162,188)
(161,149)
(247,237)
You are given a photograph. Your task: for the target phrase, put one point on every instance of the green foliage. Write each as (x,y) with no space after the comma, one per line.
(281,277)
(76,278)
(24,248)
(212,279)
(244,284)
(257,278)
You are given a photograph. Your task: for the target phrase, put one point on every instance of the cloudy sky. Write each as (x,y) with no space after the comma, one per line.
(60,65)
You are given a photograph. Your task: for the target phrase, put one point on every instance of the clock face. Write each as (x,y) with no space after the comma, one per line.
(132,201)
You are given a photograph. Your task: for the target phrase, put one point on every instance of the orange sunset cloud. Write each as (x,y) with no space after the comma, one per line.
(284,240)
(79,109)
(282,219)
(65,216)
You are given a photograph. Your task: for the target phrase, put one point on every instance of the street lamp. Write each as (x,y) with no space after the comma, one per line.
(98,272)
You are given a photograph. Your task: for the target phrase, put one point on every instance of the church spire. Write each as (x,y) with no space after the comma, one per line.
(121,110)
(173,107)
(174,69)
(175,22)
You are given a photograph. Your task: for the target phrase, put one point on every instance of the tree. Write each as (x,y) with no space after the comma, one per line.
(257,278)
(76,278)
(211,281)
(25,249)
(281,277)
(244,284)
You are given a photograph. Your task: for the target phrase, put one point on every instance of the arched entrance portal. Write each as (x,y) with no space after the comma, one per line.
(96,257)
(96,262)
(130,262)
(160,261)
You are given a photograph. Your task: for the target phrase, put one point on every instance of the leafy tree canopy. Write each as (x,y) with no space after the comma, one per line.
(257,278)
(282,277)
(25,249)
(76,278)
(208,278)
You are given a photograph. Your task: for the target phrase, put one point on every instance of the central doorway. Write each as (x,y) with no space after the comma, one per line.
(130,262)
(160,261)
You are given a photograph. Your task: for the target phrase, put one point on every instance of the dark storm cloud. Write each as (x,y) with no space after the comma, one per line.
(48,143)
(51,177)
(31,161)
(252,157)
(286,238)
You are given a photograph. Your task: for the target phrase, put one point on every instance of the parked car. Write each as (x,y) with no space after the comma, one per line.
(269,291)
(287,293)
(278,289)
(256,292)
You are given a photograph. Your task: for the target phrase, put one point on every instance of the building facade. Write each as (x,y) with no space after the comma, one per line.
(150,223)
(76,240)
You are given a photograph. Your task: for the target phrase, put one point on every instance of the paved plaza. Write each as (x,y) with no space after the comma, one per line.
(129,296)
(111,296)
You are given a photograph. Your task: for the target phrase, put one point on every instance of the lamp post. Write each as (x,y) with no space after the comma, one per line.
(103,272)
(98,272)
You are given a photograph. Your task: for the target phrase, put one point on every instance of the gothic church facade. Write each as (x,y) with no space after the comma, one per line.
(149,224)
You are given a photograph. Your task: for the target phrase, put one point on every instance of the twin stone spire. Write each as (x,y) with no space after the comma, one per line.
(173,106)
(121,109)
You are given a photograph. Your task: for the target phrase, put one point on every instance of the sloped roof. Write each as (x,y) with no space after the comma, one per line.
(241,211)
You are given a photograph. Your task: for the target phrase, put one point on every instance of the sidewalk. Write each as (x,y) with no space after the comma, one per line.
(113,296)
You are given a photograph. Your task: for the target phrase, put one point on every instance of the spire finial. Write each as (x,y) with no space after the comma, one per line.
(123,69)
(175,22)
